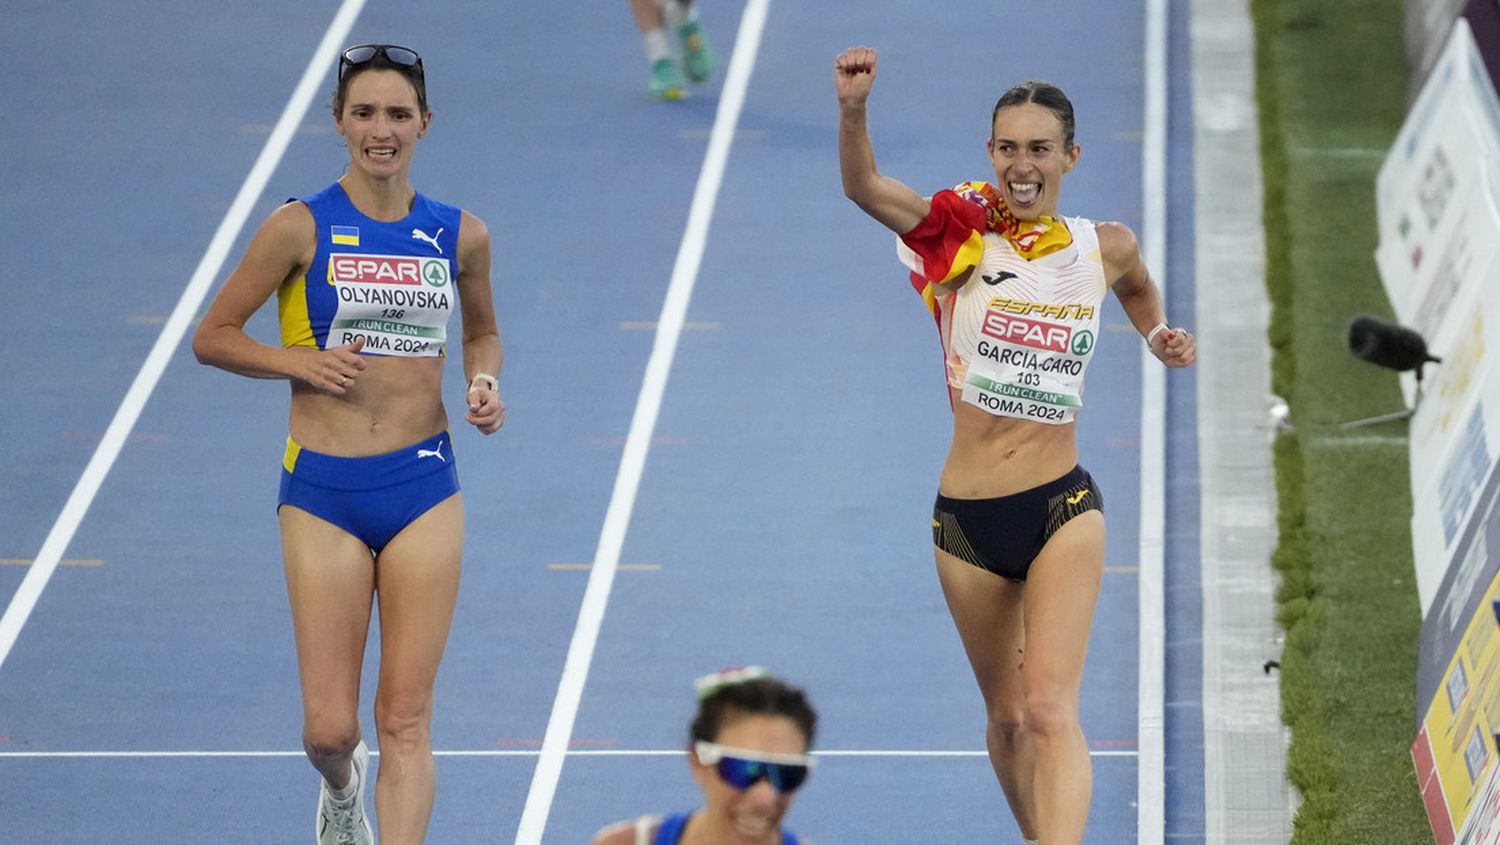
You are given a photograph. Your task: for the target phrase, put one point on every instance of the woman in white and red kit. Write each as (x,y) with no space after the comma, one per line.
(1018,527)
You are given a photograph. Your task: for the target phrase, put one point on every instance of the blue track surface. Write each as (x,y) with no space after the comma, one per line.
(783,512)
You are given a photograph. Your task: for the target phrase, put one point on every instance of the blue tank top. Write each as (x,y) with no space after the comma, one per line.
(389,283)
(670,832)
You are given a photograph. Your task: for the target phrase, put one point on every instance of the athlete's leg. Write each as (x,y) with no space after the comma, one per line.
(330,581)
(987,610)
(417,577)
(648,15)
(1061,590)
(665,80)
(698,57)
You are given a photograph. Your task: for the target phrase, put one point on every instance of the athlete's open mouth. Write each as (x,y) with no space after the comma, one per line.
(1025,193)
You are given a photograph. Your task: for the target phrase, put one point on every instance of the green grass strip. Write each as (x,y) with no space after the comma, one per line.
(1331,82)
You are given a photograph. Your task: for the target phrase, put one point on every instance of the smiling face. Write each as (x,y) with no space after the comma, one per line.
(381,120)
(753,815)
(1031,149)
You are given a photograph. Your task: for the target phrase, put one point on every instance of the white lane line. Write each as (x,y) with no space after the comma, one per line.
(25,598)
(1151,677)
(582,752)
(638,441)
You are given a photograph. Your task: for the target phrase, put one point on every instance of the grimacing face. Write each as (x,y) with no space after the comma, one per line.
(752,815)
(381,122)
(1030,157)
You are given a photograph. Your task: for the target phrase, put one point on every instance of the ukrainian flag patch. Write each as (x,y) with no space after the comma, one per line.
(346,235)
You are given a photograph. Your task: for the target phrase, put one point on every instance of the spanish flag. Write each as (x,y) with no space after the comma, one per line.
(950,240)
(346,235)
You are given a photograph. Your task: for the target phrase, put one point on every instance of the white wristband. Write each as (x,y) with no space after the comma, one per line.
(1151,336)
(493,382)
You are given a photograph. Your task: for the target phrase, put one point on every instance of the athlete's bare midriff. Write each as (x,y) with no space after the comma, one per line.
(994,456)
(395,402)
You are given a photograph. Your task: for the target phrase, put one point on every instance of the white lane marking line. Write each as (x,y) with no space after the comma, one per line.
(67,561)
(1151,678)
(73,511)
(637,443)
(649,325)
(624,567)
(582,752)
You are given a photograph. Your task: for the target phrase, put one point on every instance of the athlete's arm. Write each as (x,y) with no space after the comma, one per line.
(1139,296)
(483,353)
(283,247)
(895,205)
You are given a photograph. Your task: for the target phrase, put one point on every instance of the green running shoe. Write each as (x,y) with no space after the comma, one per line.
(666,82)
(698,58)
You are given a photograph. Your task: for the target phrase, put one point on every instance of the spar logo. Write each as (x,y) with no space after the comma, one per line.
(1033,333)
(346,269)
(1083,342)
(435,271)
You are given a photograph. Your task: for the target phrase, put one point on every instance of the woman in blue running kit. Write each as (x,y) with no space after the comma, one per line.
(367,273)
(748,749)
(1018,525)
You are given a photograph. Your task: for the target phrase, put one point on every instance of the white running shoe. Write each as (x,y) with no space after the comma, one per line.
(345,822)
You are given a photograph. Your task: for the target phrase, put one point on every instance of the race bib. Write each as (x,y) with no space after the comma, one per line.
(1028,368)
(398,304)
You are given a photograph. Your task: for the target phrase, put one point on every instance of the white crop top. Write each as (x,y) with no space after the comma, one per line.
(1019,334)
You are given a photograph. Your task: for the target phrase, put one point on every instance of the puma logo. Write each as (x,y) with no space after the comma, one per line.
(1002,276)
(432,453)
(422,236)
(1077,497)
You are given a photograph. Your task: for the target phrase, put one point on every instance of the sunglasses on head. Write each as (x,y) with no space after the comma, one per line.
(394,56)
(742,769)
